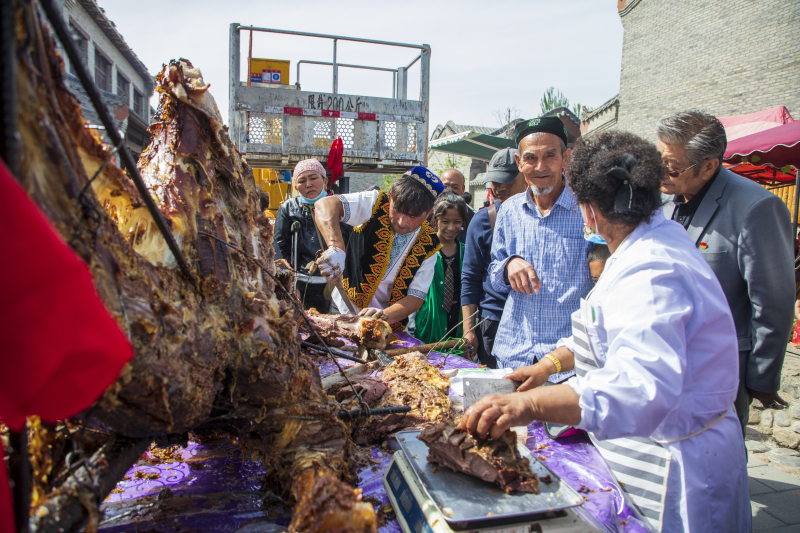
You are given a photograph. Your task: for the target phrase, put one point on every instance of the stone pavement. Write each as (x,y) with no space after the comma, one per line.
(774,494)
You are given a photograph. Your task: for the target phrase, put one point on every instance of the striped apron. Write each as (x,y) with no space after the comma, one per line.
(640,465)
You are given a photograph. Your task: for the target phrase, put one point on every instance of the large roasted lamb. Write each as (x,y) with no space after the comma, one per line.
(220,356)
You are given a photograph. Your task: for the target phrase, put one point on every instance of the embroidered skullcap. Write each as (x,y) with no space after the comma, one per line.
(309,164)
(542,124)
(426,179)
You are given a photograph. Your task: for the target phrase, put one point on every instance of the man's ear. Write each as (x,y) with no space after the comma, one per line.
(516,158)
(565,160)
(713,165)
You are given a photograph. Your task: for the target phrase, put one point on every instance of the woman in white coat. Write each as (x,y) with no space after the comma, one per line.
(655,352)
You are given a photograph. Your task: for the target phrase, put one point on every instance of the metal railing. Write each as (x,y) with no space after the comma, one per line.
(391,135)
(363,67)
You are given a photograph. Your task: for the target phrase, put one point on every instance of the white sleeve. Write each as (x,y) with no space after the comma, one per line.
(423,279)
(358,206)
(566,342)
(645,361)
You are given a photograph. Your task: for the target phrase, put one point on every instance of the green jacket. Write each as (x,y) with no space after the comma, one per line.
(431,321)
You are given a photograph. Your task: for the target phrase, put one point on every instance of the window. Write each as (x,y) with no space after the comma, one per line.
(124,88)
(138,102)
(102,71)
(81,42)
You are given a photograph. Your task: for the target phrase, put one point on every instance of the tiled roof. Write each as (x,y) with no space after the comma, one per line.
(451,128)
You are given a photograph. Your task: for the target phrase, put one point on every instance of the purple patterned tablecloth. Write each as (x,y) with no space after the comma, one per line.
(213,489)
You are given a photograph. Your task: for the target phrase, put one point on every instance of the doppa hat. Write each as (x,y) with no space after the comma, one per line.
(542,124)
(426,179)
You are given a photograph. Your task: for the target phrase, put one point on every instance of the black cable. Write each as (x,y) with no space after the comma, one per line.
(9,128)
(57,23)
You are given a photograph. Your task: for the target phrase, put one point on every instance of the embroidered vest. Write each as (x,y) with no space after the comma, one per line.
(368,253)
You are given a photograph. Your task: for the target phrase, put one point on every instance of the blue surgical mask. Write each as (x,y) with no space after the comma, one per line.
(594,237)
(305,200)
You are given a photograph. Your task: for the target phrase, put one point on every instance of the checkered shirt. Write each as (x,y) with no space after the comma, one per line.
(554,245)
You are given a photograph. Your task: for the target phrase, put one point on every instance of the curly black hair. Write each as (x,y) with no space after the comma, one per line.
(620,173)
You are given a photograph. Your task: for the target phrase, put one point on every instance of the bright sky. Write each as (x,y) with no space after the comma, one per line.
(485,56)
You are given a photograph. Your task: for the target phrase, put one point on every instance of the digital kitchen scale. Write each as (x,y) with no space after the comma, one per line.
(432,499)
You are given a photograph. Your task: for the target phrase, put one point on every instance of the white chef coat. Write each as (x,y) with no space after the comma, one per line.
(358,210)
(666,343)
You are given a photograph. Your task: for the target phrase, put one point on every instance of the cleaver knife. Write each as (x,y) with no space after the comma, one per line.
(477,388)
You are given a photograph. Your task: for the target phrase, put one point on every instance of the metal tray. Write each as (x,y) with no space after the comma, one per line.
(473,500)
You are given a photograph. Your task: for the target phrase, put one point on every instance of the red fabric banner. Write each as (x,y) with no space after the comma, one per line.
(60,347)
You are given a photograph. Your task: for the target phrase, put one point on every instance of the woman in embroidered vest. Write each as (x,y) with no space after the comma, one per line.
(388,266)
(655,351)
(441,311)
(310,181)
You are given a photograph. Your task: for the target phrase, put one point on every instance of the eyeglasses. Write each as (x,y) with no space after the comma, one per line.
(675,173)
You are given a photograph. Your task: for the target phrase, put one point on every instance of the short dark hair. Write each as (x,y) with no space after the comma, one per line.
(599,252)
(449,200)
(264,200)
(410,198)
(601,164)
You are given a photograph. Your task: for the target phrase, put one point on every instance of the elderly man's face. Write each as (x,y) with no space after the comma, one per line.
(542,161)
(454,179)
(690,182)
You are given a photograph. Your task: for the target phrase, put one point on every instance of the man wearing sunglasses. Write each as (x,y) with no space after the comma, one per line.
(744,232)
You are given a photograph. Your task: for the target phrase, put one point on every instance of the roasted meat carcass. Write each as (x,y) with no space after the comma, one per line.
(496,461)
(363,331)
(414,382)
(221,355)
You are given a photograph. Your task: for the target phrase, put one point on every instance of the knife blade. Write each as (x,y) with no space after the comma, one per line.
(477,388)
(350,306)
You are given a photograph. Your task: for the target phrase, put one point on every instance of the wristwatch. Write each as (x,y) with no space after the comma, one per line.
(555,361)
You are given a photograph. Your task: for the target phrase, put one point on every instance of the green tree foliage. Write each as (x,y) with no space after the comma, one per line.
(553,98)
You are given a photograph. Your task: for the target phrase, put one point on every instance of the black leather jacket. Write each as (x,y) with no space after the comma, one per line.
(308,242)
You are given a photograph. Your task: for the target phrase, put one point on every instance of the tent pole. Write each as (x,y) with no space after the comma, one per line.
(796,200)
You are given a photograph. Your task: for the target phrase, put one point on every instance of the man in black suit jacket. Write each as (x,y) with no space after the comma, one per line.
(744,233)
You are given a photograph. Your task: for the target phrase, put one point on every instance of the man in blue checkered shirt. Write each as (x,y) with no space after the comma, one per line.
(538,251)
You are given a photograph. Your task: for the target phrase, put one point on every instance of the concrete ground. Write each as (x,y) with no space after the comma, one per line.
(774,496)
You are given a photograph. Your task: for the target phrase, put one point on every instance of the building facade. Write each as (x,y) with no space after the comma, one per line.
(124,81)
(726,57)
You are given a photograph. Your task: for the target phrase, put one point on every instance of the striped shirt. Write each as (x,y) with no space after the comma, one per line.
(554,245)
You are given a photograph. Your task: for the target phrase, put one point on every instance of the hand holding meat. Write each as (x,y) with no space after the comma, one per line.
(331,263)
(522,276)
(491,416)
(373,312)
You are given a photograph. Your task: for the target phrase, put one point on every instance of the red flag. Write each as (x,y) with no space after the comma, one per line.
(61,349)
(334,164)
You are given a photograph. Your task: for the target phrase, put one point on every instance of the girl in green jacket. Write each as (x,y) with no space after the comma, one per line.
(441,310)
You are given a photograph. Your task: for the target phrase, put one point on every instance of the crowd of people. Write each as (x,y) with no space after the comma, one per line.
(650,285)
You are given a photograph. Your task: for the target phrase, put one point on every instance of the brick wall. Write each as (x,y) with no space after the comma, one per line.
(726,57)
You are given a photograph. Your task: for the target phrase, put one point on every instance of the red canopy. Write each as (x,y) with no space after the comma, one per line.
(767,155)
(741,125)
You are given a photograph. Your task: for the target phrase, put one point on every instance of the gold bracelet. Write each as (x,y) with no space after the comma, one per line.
(555,361)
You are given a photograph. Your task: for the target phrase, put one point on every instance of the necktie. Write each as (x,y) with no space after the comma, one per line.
(449,283)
